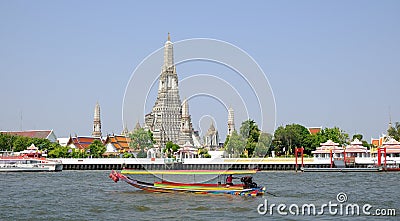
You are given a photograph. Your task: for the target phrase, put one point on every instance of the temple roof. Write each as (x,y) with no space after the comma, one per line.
(119,141)
(356,142)
(391,141)
(314,130)
(30,133)
(356,147)
(82,142)
(329,143)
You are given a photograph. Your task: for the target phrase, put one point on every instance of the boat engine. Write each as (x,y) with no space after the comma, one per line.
(248,182)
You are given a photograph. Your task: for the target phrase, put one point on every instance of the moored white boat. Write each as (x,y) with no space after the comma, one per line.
(29,160)
(28,164)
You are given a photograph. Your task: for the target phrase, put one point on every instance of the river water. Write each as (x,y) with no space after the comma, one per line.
(91,195)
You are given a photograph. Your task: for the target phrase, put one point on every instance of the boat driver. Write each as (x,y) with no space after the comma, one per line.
(229,180)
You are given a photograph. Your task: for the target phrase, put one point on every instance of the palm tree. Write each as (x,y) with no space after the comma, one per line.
(394,131)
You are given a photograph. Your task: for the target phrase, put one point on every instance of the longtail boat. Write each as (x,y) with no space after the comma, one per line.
(246,188)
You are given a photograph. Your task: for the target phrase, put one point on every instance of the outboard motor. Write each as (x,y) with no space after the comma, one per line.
(248,182)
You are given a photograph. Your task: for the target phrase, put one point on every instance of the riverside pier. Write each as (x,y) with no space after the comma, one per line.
(196,163)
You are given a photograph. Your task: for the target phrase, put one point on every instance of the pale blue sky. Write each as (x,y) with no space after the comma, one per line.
(330,63)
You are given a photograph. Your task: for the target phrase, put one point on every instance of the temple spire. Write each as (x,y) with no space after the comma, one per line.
(96,121)
(168,78)
(137,126)
(231,121)
(212,125)
(212,137)
(185,133)
(165,119)
(125,131)
(185,108)
(168,54)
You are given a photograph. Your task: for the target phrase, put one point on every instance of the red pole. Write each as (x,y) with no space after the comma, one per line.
(295,153)
(344,157)
(302,157)
(384,152)
(330,155)
(379,157)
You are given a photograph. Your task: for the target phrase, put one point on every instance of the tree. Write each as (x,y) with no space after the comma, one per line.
(226,140)
(335,134)
(127,155)
(141,140)
(79,153)
(358,136)
(249,129)
(311,142)
(263,145)
(40,143)
(141,154)
(250,132)
(6,141)
(291,136)
(53,146)
(365,144)
(235,145)
(20,143)
(96,149)
(394,131)
(170,148)
(58,151)
(203,152)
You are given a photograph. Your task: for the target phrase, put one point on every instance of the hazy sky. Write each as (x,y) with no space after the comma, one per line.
(329,63)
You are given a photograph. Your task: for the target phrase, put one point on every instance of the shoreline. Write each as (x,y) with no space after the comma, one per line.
(264,164)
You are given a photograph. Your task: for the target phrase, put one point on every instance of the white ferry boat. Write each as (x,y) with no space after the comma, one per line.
(29,160)
(28,164)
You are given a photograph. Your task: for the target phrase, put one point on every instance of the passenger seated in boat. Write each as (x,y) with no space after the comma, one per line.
(229,180)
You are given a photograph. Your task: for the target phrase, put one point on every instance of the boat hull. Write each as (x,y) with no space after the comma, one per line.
(186,188)
(22,164)
(391,169)
(341,169)
(26,169)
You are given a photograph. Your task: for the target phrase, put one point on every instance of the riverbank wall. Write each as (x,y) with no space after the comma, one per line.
(197,163)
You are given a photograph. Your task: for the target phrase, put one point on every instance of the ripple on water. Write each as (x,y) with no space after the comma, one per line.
(240,209)
(199,208)
(141,208)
